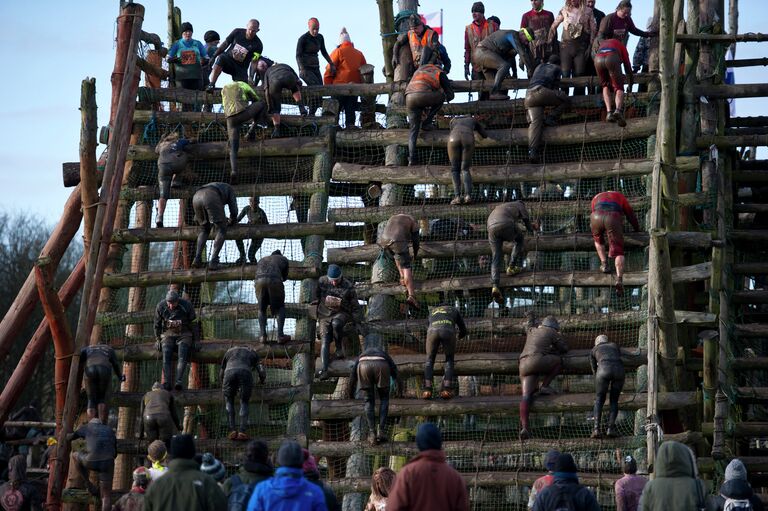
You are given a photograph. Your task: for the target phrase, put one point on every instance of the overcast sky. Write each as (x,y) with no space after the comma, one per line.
(50,47)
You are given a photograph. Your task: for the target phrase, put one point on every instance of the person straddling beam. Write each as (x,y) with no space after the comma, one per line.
(175,326)
(443,322)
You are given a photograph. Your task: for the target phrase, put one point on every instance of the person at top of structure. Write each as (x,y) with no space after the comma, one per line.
(382,480)
(534,29)
(599,15)
(307,48)
(241,104)
(175,326)
(542,482)
(236,374)
(608,368)
(428,89)
(503,226)
(172,160)
(100,361)
(18,493)
(399,231)
(495,57)
(579,32)
(99,457)
(610,56)
(347,62)
(337,305)
(619,24)
(461,147)
(208,202)
(188,57)
(275,78)
(629,488)
(444,320)
(159,419)
(211,39)
(256,216)
(271,273)
(608,212)
(565,492)
(418,38)
(479,29)
(237,54)
(543,90)
(372,372)
(134,499)
(541,358)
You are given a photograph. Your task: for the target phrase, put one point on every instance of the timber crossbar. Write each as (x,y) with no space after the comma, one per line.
(235,232)
(199,397)
(212,350)
(206,312)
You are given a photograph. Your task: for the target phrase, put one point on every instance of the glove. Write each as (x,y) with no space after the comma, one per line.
(174,60)
(394,62)
(467,76)
(333,71)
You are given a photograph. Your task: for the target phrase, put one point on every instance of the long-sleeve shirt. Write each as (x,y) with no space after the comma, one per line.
(307,48)
(183,312)
(616,202)
(613,26)
(101,354)
(474,33)
(241,357)
(628,490)
(537,21)
(372,352)
(446,316)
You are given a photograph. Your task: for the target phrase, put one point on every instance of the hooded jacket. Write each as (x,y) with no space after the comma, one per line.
(185,488)
(17,475)
(676,487)
(567,484)
(735,487)
(288,490)
(250,472)
(428,483)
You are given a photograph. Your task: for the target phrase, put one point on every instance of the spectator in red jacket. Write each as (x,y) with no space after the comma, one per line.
(608,211)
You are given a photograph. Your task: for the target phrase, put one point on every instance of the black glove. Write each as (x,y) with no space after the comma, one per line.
(174,60)
(333,71)
(158,344)
(394,62)
(467,76)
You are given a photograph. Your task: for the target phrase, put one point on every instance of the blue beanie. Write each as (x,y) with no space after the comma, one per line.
(550,459)
(429,437)
(334,271)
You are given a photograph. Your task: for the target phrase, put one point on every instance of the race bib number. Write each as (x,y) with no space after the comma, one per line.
(333,302)
(188,57)
(239,53)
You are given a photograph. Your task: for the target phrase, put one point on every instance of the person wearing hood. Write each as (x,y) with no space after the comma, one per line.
(676,485)
(547,479)
(288,490)
(628,489)
(608,368)
(346,61)
(18,493)
(134,499)
(256,467)
(566,487)
(428,482)
(735,489)
(312,474)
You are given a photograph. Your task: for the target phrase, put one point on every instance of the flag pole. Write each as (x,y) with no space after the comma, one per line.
(442,29)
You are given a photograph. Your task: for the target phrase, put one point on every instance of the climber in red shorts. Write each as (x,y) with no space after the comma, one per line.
(608,61)
(608,211)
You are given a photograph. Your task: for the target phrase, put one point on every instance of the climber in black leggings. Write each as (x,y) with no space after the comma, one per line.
(609,380)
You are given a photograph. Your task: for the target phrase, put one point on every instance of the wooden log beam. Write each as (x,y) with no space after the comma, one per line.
(30,424)
(275,395)
(726,91)
(740,429)
(218,446)
(759,394)
(753,296)
(441,174)
(261,189)
(144,116)
(756,121)
(294,146)
(152,69)
(750,177)
(749,236)
(758,62)
(593,132)
(749,364)
(753,463)
(750,37)
(235,232)
(207,312)
(296,271)
(549,243)
(750,268)
(211,350)
(348,409)
(731,141)
(535,208)
(751,330)
(693,273)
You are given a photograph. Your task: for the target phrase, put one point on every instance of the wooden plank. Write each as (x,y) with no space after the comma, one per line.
(752,296)
(235,232)
(260,189)
(750,268)
(275,395)
(722,38)
(293,146)
(210,350)
(731,141)
(144,116)
(206,312)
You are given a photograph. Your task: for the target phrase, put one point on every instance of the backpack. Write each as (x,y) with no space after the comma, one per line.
(563,500)
(737,505)
(240,494)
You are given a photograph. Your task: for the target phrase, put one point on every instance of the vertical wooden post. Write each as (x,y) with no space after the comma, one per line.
(688,125)
(88,179)
(386,27)
(710,372)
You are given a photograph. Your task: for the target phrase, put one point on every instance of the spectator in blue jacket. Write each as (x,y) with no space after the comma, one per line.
(288,490)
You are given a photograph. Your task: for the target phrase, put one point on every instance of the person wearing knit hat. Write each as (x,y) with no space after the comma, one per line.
(185,487)
(176,329)
(187,57)
(157,454)
(312,473)
(565,487)
(134,499)
(346,61)
(288,490)
(307,48)
(427,482)
(542,482)
(337,306)
(608,369)
(534,27)
(735,492)
(213,467)
(479,29)
(418,38)
(402,229)
(629,488)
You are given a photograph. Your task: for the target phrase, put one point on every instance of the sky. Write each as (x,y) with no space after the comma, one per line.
(50,47)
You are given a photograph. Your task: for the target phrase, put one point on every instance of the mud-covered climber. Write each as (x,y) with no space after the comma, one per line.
(461,147)
(208,202)
(98,457)
(426,92)
(534,28)
(579,32)
(444,320)
(271,273)
(541,358)
(400,231)
(605,360)
(237,368)
(308,46)
(237,54)
(159,419)
(608,211)
(188,57)
(495,58)
(543,90)
(175,326)
(172,160)
(275,78)
(610,56)
(503,226)
(418,38)
(100,361)
(256,216)
(479,29)
(373,373)
(241,104)
(337,306)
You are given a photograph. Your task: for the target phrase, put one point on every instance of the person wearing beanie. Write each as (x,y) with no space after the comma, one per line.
(565,487)
(18,492)
(288,490)
(628,489)
(399,231)
(373,371)
(134,499)
(237,375)
(542,482)
(337,306)
(307,48)
(735,492)
(676,485)
(381,485)
(158,415)
(427,482)
(271,273)
(346,61)
(98,458)
(418,38)
(237,54)
(187,57)
(100,361)
(213,467)
(184,487)
(479,29)
(534,27)
(176,326)
(255,468)
(608,368)
(312,473)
